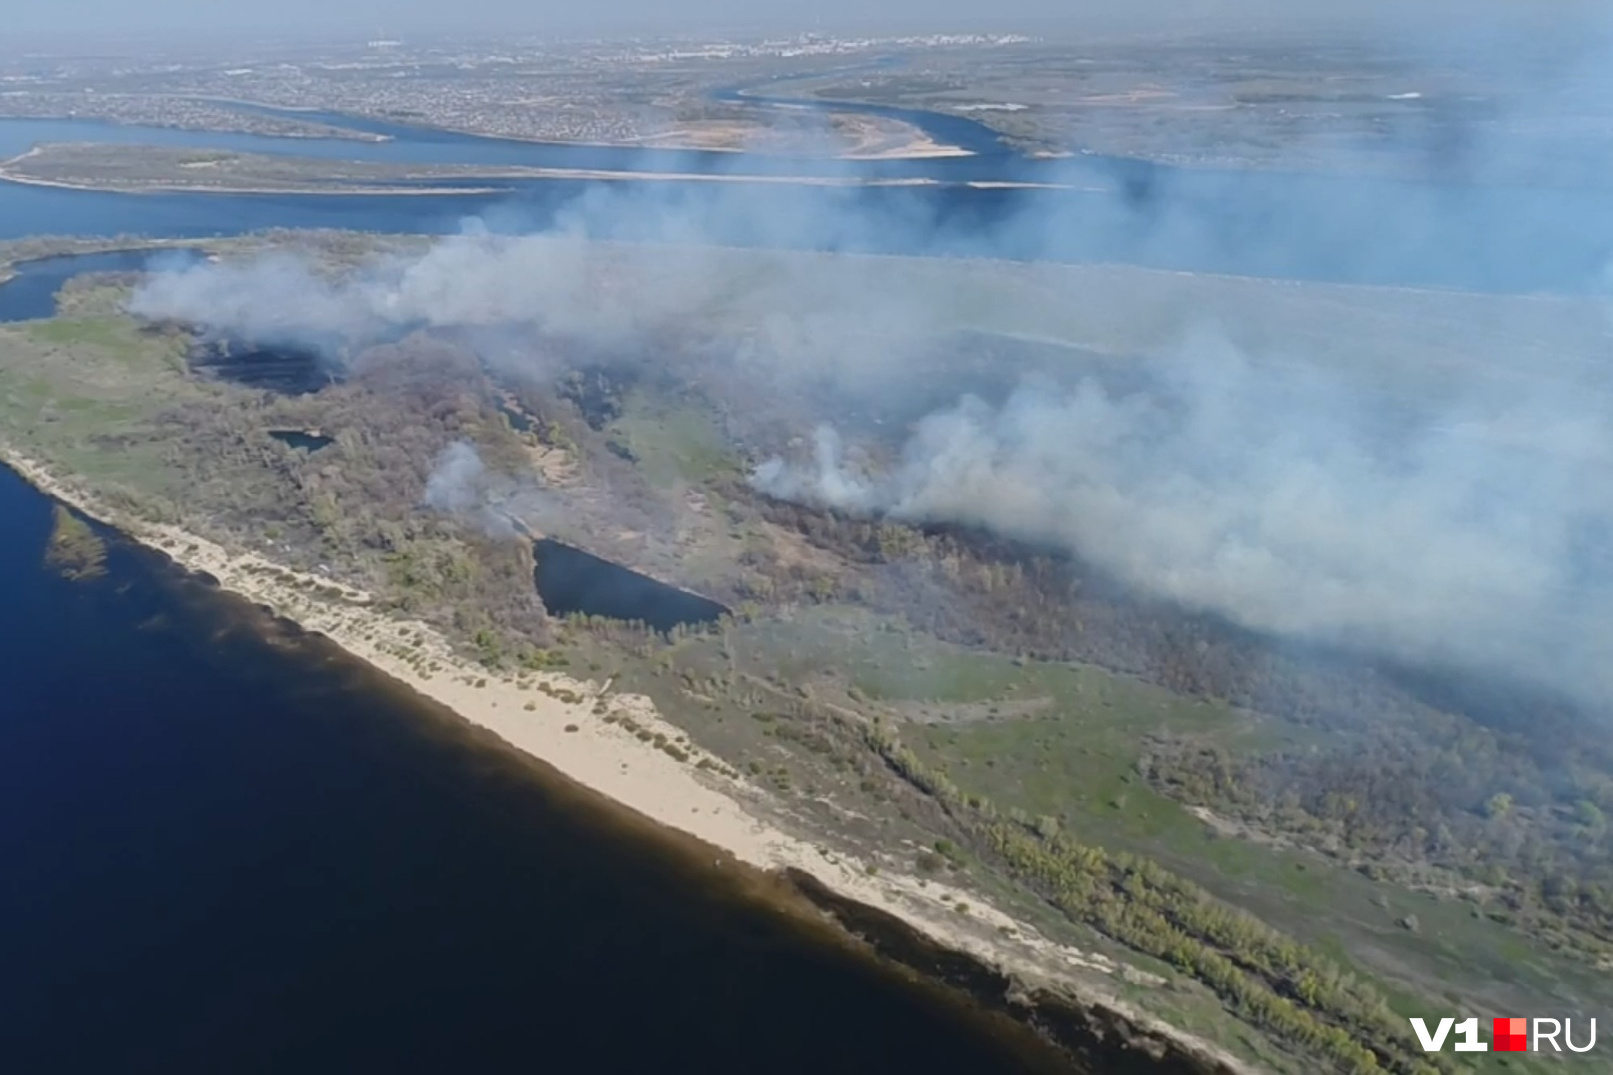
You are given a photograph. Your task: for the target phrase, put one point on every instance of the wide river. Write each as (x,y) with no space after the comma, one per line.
(228,848)
(1304,226)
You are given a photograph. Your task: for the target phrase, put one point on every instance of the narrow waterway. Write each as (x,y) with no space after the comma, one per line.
(30,294)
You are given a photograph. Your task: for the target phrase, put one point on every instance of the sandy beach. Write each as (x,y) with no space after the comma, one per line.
(922,148)
(578,728)
(533,712)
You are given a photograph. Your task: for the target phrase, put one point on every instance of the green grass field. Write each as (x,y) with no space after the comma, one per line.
(674,444)
(1064,741)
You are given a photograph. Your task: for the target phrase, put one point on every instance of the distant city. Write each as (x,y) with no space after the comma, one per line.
(1197,100)
(587,91)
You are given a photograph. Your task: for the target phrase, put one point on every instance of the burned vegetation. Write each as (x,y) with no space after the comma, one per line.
(288,369)
(1499,792)
(901,685)
(584,434)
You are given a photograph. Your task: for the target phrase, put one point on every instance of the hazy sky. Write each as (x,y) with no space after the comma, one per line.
(523,15)
(316,17)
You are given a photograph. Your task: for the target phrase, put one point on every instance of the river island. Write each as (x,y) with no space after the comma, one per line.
(791,647)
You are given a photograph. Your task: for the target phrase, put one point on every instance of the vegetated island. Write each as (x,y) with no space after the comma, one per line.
(1021,757)
(169,110)
(146,169)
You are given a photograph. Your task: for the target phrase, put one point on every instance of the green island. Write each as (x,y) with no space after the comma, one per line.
(74,549)
(147,169)
(1273,854)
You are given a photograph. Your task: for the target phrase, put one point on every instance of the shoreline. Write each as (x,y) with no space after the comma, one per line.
(330,133)
(919,148)
(534,175)
(576,728)
(7,176)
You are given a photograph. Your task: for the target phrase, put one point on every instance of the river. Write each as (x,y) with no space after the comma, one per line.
(1338,228)
(230,848)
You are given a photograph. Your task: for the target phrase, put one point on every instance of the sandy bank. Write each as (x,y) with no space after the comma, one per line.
(578,728)
(183,186)
(918,149)
(723,137)
(883,139)
(163,187)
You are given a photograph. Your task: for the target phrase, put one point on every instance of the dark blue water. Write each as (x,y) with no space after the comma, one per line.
(570,580)
(226,848)
(301,439)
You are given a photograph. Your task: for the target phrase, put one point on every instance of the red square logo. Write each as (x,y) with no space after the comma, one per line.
(1511,1035)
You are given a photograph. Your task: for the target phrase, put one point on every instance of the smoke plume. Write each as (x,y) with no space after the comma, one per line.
(1410,472)
(1475,535)
(461,485)
(456,482)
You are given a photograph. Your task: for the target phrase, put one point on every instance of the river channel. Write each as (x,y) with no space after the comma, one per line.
(1337,228)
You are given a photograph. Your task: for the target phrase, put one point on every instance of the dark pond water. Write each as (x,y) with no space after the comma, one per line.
(225,848)
(572,581)
(302,439)
(519,420)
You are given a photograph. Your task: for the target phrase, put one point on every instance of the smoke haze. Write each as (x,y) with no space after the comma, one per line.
(1437,490)
(1478,538)
(303,18)
(462,485)
(455,484)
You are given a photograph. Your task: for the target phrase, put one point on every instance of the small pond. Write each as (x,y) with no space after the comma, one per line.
(572,581)
(306,440)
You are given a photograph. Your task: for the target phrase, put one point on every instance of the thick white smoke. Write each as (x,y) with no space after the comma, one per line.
(457,481)
(559,283)
(1479,534)
(1281,494)
(462,485)
(1285,483)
